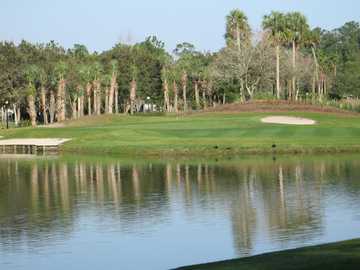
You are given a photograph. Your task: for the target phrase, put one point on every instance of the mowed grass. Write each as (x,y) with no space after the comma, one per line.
(342,255)
(201,134)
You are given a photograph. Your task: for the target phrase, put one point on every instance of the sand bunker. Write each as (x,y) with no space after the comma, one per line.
(288,120)
(54,125)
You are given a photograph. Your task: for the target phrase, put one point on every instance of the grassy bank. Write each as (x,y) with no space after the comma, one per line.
(342,255)
(206,134)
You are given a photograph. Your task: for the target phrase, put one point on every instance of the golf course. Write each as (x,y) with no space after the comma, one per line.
(221,133)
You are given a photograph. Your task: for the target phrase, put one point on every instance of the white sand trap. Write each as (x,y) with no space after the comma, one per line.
(288,120)
(54,125)
(36,142)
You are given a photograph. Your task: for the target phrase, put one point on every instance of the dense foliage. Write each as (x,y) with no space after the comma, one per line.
(44,83)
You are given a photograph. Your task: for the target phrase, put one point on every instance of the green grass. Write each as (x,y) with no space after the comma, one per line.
(342,255)
(216,134)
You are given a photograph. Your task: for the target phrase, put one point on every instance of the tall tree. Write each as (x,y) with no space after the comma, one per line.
(113,86)
(31,75)
(296,29)
(61,69)
(275,23)
(97,71)
(237,28)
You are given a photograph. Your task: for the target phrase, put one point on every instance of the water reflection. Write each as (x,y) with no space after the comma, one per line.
(264,204)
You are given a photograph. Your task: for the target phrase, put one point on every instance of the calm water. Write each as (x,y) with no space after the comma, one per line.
(77,213)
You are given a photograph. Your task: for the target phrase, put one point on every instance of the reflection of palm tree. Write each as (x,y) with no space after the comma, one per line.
(178,173)
(99,181)
(34,187)
(112,183)
(136,182)
(282,212)
(64,185)
(199,172)
(187,183)
(243,217)
(82,169)
(168,175)
(46,186)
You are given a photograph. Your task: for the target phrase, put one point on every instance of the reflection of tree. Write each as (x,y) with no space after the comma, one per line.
(282,198)
(243,218)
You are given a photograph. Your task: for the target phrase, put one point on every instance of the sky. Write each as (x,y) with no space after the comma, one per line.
(101,24)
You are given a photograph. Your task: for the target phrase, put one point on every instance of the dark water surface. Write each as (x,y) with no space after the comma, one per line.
(102,213)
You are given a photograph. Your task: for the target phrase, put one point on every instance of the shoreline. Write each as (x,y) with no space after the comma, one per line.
(221,152)
(339,255)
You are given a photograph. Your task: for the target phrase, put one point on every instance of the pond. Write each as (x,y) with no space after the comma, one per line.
(103,213)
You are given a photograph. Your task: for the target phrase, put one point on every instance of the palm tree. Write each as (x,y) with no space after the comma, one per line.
(237,28)
(31,73)
(164,77)
(184,81)
(133,88)
(113,86)
(311,40)
(97,71)
(275,24)
(296,29)
(43,81)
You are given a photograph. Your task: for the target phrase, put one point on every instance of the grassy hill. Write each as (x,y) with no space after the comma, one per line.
(202,134)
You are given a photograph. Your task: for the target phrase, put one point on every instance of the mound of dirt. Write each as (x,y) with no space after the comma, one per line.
(288,120)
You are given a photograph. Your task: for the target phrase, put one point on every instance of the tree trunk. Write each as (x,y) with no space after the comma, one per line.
(43,105)
(294,69)
(97,97)
(197,96)
(175,89)
(3,115)
(316,68)
(132,96)
(52,107)
(238,37)
(113,86)
(16,115)
(184,84)
(88,94)
(320,88)
(99,100)
(78,115)
(166,96)
(31,109)
(107,97)
(289,88)
(314,86)
(278,72)
(60,102)
(204,98)
(73,108)
(224,98)
(81,109)
(116,94)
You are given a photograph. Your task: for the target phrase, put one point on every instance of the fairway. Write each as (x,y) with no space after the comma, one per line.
(201,134)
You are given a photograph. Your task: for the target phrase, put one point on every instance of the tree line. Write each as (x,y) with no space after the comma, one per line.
(45,83)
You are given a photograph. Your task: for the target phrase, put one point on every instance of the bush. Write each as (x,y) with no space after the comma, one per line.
(24,123)
(264,96)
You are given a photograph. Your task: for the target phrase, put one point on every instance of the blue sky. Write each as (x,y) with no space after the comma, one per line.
(101,24)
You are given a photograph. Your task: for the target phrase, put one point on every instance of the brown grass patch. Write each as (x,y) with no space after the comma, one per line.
(277,106)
